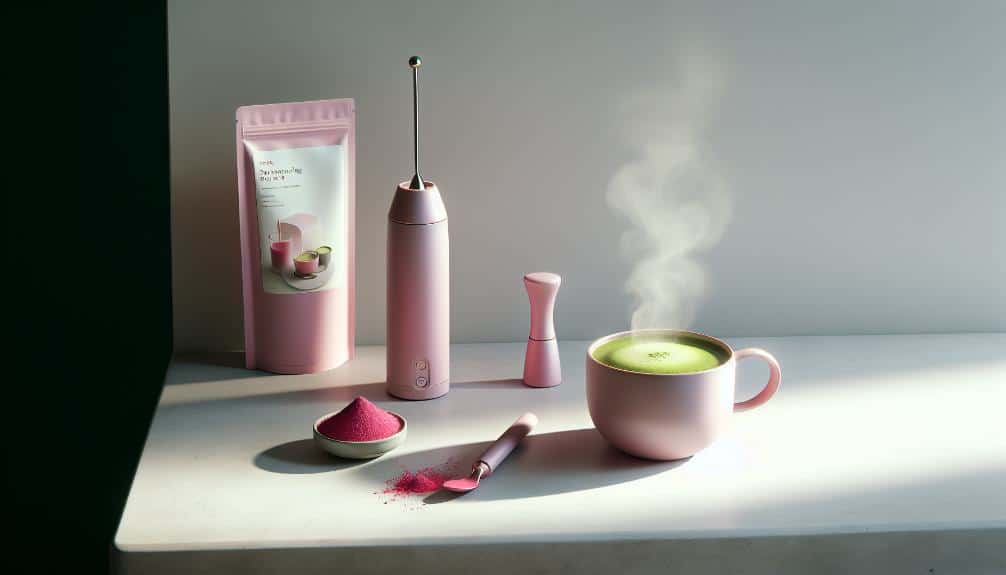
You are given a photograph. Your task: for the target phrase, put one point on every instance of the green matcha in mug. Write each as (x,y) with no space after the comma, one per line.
(666,394)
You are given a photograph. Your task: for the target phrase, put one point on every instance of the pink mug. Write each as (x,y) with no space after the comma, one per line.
(669,416)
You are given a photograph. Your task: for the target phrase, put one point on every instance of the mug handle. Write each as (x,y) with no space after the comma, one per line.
(774,378)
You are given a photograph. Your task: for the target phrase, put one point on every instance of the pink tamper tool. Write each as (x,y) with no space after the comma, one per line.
(495,455)
(541,360)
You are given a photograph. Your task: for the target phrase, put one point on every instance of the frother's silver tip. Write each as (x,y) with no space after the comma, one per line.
(415,62)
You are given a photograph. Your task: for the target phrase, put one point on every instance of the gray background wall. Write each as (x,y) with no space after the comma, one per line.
(864,144)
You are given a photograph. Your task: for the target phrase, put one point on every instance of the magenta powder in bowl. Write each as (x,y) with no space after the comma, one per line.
(361,420)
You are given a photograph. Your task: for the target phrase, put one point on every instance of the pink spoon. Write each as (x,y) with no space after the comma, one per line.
(495,455)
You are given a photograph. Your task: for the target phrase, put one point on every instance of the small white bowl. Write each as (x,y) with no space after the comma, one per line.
(359,449)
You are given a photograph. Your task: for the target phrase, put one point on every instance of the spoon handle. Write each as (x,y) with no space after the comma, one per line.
(506,443)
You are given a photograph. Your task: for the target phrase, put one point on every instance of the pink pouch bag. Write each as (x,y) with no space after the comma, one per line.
(296,201)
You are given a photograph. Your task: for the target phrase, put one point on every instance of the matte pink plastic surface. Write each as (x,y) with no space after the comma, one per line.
(774,378)
(418,360)
(506,443)
(668,416)
(417,206)
(461,485)
(541,359)
(308,332)
(542,288)
(541,363)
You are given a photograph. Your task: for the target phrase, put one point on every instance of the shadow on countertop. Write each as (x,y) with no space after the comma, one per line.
(544,464)
(515,383)
(301,457)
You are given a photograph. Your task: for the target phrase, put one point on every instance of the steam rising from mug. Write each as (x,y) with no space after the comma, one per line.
(675,200)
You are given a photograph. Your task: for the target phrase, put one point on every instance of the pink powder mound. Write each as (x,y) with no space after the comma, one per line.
(422,481)
(360,421)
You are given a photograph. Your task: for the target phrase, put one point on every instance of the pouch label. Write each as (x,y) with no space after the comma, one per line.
(301,199)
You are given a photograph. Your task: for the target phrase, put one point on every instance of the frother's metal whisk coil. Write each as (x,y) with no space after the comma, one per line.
(417,179)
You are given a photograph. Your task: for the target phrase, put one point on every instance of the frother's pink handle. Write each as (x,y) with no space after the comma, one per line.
(506,443)
(774,378)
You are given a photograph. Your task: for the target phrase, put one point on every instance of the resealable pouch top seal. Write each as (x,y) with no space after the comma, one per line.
(296,202)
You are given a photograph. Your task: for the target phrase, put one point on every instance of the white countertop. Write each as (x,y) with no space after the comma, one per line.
(896,440)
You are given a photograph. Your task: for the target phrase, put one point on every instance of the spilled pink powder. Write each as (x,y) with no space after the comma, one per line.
(409,487)
(408,483)
(361,420)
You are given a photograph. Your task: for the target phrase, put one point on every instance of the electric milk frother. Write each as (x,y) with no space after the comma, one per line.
(418,361)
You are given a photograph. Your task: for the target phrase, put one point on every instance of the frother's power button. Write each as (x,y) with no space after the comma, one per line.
(421,381)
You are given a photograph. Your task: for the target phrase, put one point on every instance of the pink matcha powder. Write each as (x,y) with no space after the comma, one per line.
(408,484)
(415,483)
(361,420)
